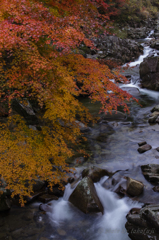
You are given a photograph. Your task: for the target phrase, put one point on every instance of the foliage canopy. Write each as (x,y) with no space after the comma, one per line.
(40,61)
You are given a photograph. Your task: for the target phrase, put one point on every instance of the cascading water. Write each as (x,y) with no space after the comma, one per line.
(109,226)
(135,81)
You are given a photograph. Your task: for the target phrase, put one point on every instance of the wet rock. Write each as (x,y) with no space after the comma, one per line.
(157,149)
(144,148)
(149,73)
(151,172)
(45,208)
(121,187)
(74,183)
(142,143)
(95,173)
(85,197)
(134,187)
(45,198)
(153,117)
(143,223)
(155,109)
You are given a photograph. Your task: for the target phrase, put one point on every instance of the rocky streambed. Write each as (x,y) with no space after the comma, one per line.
(120,178)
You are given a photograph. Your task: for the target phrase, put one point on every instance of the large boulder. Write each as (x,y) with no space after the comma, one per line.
(151,172)
(149,73)
(143,223)
(85,197)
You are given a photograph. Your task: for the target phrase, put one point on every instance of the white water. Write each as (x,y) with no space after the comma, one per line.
(149,35)
(112,223)
(151,93)
(110,226)
(146,52)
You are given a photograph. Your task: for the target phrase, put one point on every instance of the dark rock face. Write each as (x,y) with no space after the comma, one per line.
(143,224)
(151,172)
(144,148)
(5,203)
(85,197)
(149,73)
(95,173)
(114,48)
(26,111)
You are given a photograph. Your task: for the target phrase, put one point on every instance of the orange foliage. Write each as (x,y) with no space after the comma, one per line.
(40,61)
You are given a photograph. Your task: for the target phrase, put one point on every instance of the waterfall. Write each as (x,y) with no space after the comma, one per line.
(109,226)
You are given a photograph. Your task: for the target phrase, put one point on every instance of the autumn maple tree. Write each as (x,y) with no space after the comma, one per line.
(40,61)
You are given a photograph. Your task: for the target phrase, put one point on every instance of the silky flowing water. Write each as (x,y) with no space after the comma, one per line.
(118,152)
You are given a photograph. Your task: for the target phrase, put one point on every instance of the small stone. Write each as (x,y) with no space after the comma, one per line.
(157,149)
(144,148)
(142,143)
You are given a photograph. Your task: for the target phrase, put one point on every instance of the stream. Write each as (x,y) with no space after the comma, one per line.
(118,152)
